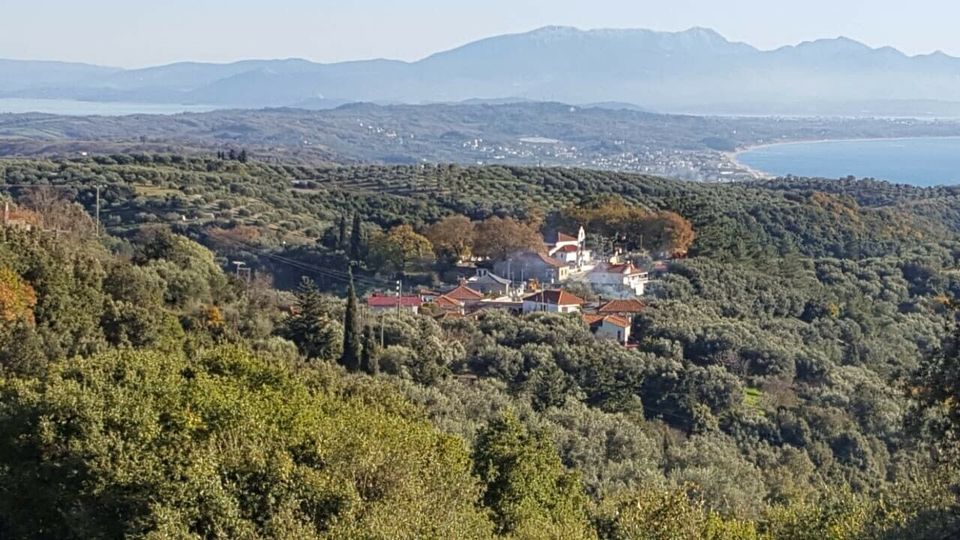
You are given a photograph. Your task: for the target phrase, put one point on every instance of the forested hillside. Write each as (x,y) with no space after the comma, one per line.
(795,375)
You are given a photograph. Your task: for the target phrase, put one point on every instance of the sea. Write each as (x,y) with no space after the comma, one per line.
(925,161)
(69,107)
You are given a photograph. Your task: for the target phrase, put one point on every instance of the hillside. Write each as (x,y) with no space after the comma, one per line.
(782,356)
(603,136)
(773,391)
(696,70)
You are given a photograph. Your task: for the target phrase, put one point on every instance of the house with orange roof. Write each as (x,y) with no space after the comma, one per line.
(612,327)
(446,305)
(552,301)
(385,303)
(464,294)
(626,308)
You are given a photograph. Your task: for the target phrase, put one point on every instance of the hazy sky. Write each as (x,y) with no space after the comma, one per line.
(138,33)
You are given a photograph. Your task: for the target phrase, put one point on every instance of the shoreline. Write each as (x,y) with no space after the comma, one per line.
(763,175)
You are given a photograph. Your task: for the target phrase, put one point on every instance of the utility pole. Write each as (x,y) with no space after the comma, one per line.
(399,295)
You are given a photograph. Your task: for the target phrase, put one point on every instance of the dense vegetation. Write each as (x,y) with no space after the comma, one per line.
(796,374)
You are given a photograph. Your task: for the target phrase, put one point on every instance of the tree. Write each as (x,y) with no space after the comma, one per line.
(400,248)
(221,444)
(370,358)
(342,242)
(668,232)
(356,240)
(352,346)
(498,238)
(452,238)
(316,334)
(17,297)
(936,393)
(526,489)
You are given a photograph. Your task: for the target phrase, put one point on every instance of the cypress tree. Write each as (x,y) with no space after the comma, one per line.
(356,240)
(351,330)
(342,234)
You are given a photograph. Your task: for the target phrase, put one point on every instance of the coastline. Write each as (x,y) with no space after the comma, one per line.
(763,175)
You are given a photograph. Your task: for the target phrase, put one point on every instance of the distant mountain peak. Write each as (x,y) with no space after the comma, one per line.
(841,43)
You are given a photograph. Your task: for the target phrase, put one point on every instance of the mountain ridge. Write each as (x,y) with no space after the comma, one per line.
(656,70)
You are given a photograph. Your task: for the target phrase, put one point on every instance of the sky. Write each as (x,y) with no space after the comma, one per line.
(135,33)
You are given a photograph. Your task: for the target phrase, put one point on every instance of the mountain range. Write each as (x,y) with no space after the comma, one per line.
(693,71)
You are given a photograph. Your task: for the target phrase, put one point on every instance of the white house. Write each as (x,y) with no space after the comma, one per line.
(568,249)
(619,277)
(553,301)
(609,327)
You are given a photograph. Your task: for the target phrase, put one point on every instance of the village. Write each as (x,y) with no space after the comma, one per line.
(539,281)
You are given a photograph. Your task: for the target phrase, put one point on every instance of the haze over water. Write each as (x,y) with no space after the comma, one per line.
(919,161)
(71,107)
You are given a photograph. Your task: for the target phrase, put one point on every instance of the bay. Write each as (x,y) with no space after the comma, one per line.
(924,161)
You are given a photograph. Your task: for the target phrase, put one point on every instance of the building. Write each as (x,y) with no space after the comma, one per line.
(528,265)
(385,303)
(465,294)
(618,278)
(612,327)
(489,283)
(569,250)
(625,308)
(446,305)
(553,301)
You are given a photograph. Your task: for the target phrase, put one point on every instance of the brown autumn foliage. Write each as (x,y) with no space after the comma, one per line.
(633,226)
(452,237)
(17,297)
(498,238)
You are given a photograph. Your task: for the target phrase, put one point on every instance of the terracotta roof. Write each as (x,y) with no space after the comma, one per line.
(563,237)
(569,249)
(617,321)
(555,298)
(391,301)
(445,302)
(592,320)
(464,293)
(622,306)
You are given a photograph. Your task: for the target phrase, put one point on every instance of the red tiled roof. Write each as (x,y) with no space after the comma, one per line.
(555,298)
(569,249)
(464,293)
(445,302)
(391,301)
(592,320)
(563,237)
(617,321)
(622,306)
